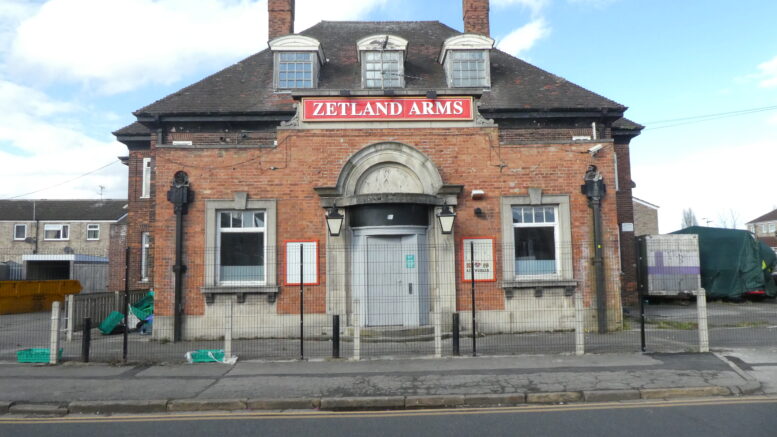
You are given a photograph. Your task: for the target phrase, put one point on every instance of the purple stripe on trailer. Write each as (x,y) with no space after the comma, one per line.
(661,269)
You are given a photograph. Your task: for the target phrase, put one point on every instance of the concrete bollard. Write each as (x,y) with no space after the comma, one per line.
(54,342)
(579,324)
(228,329)
(357,341)
(70,305)
(437,335)
(701,310)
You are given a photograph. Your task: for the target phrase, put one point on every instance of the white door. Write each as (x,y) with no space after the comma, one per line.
(390,285)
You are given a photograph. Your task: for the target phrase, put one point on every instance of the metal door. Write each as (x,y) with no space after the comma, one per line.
(391,280)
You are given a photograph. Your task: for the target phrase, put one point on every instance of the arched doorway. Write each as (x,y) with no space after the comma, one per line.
(385,268)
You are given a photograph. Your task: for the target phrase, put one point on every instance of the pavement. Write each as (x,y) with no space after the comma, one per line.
(82,388)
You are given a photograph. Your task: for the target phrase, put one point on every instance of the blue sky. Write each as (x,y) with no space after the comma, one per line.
(72,71)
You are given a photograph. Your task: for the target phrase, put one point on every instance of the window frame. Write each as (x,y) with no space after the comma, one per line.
(145,252)
(15,227)
(772,227)
(564,257)
(92,225)
(64,230)
(556,241)
(241,230)
(450,63)
(314,68)
(400,68)
(240,203)
(145,187)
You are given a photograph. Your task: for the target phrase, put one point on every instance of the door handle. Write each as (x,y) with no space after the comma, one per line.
(409,288)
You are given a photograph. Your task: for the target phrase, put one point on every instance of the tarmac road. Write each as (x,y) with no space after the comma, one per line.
(744,417)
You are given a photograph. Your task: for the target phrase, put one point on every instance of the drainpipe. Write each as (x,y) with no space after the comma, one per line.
(594,188)
(37,225)
(180,196)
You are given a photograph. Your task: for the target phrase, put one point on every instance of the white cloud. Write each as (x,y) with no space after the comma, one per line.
(524,38)
(13,12)
(120,45)
(40,148)
(535,6)
(711,183)
(768,73)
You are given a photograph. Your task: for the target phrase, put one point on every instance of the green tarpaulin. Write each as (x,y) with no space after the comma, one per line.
(733,262)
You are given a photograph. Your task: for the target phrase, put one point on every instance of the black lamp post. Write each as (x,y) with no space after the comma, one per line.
(334,221)
(180,195)
(595,189)
(446,216)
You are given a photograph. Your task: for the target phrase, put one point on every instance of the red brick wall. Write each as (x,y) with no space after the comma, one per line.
(626,215)
(140,216)
(313,158)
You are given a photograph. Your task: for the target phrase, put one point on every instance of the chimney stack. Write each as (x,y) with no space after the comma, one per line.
(280,18)
(476,17)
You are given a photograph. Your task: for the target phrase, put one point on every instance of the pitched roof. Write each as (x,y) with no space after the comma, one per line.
(247,86)
(134,129)
(769,216)
(62,210)
(626,124)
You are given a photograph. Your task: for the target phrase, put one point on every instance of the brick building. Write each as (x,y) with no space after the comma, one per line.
(765,228)
(645,218)
(63,239)
(393,126)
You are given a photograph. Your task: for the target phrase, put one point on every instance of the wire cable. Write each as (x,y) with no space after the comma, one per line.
(63,183)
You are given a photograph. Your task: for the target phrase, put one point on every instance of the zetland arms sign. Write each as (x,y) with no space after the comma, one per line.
(387,109)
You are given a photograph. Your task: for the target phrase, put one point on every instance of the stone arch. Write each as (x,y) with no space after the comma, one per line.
(389,167)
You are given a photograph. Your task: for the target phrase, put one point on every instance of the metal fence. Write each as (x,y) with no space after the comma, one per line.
(377,301)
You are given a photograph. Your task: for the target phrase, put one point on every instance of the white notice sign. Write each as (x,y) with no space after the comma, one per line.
(310,262)
(483,247)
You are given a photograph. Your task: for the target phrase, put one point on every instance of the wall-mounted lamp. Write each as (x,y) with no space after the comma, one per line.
(446,216)
(479,212)
(334,221)
(431,94)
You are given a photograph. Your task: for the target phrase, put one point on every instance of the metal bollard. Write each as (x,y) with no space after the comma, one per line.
(86,339)
(336,336)
(455,339)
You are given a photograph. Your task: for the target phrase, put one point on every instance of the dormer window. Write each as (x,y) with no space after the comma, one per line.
(295,70)
(297,60)
(466,61)
(383,61)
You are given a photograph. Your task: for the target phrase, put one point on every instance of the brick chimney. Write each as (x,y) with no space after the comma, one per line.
(280,18)
(476,17)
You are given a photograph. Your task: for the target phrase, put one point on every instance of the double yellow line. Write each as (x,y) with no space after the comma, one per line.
(297,415)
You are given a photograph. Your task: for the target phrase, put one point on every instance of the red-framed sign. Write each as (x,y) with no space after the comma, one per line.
(386,109)
(485,255)
(309,262)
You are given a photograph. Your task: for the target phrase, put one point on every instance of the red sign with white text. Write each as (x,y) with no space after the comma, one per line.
(387,108)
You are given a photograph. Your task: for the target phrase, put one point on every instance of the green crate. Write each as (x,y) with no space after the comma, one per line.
(35,355)
(206,356)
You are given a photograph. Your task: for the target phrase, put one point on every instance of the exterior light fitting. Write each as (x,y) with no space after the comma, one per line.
(334,221)
(446,216)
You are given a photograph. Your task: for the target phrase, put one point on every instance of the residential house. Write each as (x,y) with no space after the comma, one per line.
(59,239)
(765,228)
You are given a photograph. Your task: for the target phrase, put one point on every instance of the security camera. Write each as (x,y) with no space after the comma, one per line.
(595,149)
